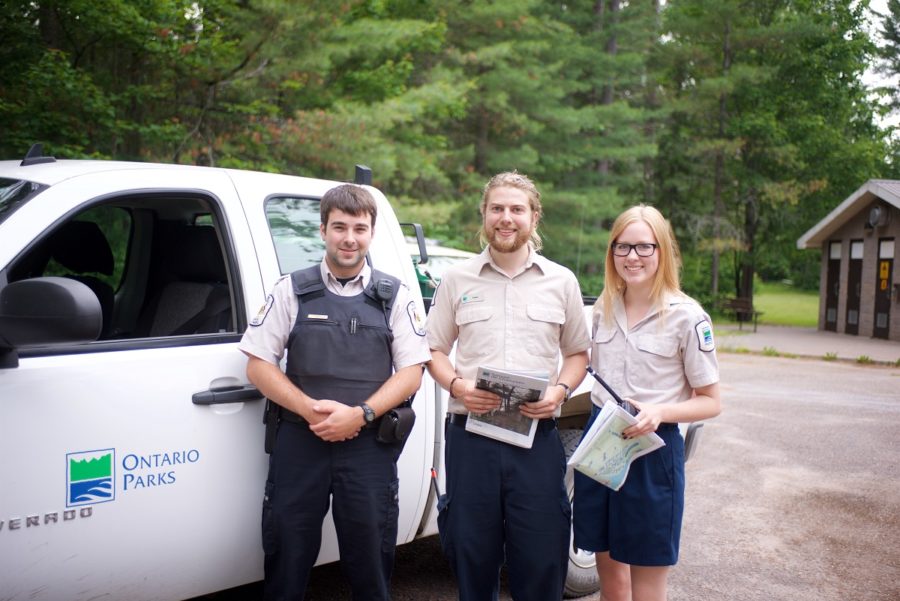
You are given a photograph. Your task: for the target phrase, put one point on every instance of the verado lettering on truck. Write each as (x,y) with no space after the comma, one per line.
(91,479)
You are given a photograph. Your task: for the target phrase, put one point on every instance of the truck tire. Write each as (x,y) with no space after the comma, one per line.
(582,578)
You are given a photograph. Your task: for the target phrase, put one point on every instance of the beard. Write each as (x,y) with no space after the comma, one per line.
(507,246)
(345,263)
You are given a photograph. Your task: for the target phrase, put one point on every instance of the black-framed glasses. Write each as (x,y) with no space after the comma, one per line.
(645,249)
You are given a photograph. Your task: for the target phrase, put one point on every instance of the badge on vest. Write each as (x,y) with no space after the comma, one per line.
(415,318)
(705,336)
(263,312)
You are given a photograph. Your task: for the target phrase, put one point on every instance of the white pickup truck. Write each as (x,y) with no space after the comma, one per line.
(132,443)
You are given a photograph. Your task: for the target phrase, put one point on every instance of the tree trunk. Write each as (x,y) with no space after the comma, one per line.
(481,140)
(651,102)
(612,46)
(748,257)
(719,175)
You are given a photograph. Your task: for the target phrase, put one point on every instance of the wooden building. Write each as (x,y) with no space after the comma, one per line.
(859,291)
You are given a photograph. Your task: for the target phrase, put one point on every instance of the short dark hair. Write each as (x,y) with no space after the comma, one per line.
(349,198)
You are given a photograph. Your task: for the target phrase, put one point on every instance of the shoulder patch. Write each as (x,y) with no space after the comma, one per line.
(263,312)
(415,318)
(434,296)
(705,340)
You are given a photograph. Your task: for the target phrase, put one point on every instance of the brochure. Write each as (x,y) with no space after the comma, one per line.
(514,388)
(604,455)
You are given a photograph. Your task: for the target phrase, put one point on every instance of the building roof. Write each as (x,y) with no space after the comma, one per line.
(888,190)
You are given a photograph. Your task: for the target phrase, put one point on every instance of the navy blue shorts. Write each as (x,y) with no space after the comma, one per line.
(640,524)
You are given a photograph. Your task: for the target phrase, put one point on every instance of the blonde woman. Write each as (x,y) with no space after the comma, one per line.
(654,346)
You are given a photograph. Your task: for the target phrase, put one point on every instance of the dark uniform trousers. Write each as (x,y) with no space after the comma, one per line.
(360,477)
(506,502)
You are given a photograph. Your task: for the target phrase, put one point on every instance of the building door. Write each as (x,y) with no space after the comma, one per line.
(832,286)
(883,288)
(854,286)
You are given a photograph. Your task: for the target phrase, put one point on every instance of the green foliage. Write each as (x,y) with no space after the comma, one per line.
(733,117)
(889,52)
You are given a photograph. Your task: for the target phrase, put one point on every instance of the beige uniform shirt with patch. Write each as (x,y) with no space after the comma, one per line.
(268,332)
(660,359)
(520,323)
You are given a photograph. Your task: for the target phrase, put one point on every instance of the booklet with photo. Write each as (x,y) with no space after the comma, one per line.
(514,388)
(604,455)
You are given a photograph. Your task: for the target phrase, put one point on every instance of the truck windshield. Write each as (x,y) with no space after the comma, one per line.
(14,193)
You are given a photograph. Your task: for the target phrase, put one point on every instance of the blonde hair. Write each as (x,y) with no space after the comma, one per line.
(666,280)
(513,179)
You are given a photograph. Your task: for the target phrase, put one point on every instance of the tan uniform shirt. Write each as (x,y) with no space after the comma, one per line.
(268,332)
(660,359)
(520,322)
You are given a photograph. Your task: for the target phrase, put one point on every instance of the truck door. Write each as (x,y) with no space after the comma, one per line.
(833,286)
(854,286)
(120,480)
(883,288)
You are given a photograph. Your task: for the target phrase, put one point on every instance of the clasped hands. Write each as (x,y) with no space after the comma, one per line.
(333,421)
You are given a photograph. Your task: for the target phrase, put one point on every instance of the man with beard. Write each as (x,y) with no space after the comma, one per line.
(508,308)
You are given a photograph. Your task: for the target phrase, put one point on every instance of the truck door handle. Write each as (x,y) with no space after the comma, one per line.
(230,394)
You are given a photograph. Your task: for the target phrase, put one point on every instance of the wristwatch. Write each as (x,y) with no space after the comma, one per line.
(368,414)
(567,389)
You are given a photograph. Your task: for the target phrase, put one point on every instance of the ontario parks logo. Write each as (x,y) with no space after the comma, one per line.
(89,477)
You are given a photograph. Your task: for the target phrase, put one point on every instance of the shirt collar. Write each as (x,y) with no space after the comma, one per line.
(533,260)
(668,299)
(364,276)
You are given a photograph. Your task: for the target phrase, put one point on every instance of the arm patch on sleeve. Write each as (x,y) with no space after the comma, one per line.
(705,340)
(263,312)
(415,319)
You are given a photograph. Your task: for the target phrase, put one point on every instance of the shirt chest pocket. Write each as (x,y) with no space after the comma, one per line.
(474,325)
(604,336)
(543,329)
(661,346)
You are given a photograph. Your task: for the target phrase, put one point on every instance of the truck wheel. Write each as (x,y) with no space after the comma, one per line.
(582,578)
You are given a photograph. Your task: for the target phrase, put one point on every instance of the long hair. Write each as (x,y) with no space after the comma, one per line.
(512,179)
(666,280)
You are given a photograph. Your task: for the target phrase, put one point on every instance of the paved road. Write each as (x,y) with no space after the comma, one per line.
(794,493)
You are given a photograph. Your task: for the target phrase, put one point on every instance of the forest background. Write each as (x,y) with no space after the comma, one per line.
(744,121)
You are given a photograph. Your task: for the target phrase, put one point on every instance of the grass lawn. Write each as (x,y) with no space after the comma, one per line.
(784,305)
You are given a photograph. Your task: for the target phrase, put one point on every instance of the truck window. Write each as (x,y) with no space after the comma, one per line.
(294,225)
(114,226)
(156,263)
(13,194)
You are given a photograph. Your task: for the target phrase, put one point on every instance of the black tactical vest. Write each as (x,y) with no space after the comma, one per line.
(340,346)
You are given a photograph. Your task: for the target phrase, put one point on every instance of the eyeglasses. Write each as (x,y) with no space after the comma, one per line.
(644,249)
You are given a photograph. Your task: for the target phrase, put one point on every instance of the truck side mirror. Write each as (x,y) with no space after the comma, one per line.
(48,310)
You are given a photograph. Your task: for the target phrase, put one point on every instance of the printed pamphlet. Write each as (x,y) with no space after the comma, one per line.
(604,455)
(514,388)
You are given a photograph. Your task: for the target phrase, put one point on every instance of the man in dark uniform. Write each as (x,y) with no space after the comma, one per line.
(355,350)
